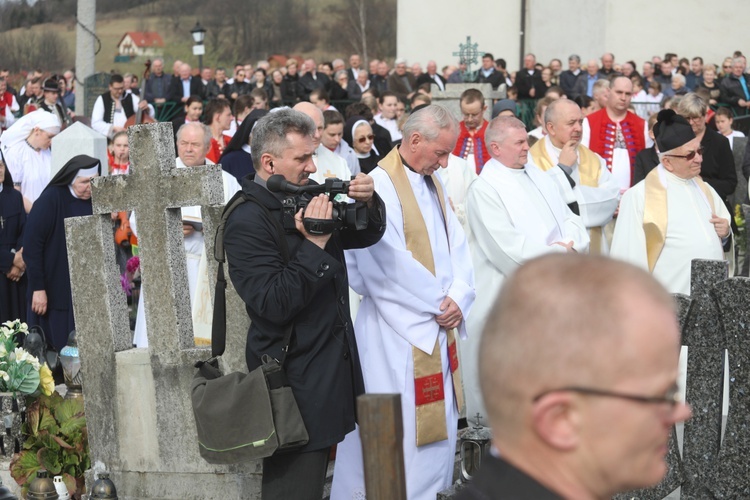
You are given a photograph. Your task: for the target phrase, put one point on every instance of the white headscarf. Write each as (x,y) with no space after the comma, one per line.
(357,153)
(21,130)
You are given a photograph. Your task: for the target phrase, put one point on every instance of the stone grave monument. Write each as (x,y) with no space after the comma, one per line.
(78,139)
(93,86)
(140,420)
(451,96)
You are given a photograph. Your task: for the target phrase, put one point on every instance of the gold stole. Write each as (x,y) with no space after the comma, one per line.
(589,170)
(428,369)
(655,214)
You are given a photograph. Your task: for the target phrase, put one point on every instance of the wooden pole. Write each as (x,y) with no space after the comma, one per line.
(382,434)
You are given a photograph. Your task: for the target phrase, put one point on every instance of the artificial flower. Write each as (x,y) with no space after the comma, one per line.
(47,381)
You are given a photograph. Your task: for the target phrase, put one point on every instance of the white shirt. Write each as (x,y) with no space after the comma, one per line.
(100,124)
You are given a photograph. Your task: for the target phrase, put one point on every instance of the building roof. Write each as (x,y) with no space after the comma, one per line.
(144,39)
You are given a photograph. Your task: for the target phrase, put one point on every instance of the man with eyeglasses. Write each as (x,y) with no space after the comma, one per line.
(734,88)
(568,422)
(470,144)
(672,216)
(112,109)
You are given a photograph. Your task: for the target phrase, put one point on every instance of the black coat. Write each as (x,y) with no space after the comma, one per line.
(308,83)
(732,92)
(174,93)
(497,479)
(311,290)
(495,78)
(525,82)
(426,78)
(717,168)
(645,161)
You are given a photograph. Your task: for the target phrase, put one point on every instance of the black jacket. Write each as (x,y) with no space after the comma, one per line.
(307,83)
(311,291)
(525,82)
(569,83)
(213,90)
(717,168)
(732,92)
(495,78)
(645,161)
(496,479)
(174,93)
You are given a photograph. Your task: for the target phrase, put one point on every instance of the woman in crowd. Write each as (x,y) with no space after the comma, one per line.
(26,151)
(709,83)
(358,133)
(236,159)
(49,297)
(293,90)
(717,167)
(338,87)
(546,80)
(12,266)
(278,88)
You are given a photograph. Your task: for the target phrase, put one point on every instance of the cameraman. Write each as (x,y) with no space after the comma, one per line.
(310,291)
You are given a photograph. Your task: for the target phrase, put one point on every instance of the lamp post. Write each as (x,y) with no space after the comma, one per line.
(199,34)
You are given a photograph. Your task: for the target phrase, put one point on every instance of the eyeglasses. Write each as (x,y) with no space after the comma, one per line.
(366,138)
(690,155)
(117,88)
(673,397)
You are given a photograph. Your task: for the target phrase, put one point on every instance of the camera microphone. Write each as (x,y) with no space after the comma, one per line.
(278,184)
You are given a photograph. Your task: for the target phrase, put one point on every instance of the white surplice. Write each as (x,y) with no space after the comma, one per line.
(197,269)
(597,204)
(515,215)
(457,177)
(690,235)
(30,169)
(401,299)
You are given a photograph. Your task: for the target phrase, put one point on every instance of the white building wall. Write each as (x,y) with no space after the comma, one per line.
(635,29)
(433,29)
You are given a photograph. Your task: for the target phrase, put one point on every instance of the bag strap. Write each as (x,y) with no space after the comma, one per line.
(219,322)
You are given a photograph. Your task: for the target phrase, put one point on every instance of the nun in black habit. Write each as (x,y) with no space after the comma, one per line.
(236,159)
(12,266)
(68,194)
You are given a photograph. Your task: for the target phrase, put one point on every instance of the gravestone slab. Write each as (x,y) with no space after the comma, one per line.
(93,86)
(78,139)
(738,151)
(451,96)
(140,419)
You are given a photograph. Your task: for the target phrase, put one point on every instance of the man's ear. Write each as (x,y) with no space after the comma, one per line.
(556,420)
(415,140)
(266,164)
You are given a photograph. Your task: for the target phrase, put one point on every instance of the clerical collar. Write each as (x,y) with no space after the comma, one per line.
(406,164)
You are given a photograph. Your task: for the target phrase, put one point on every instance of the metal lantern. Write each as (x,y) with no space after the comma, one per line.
(103,488)
(71,364)
(475,443)
(5,493)
(198,33)
(42,487)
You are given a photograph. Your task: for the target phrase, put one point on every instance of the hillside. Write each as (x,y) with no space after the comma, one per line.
(320,27)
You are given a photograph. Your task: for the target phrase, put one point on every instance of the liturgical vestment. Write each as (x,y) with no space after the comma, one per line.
(400,301)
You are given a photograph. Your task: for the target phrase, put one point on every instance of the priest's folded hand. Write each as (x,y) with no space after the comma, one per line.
(720,225)
(452,315)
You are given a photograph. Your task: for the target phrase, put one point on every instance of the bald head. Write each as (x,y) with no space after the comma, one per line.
(185,70)
(537,338)
(316,114)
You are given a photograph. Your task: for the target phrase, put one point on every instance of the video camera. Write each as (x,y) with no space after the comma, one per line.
(345,215)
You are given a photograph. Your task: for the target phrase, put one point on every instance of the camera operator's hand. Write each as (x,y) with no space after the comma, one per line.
(318,208)
(362,188)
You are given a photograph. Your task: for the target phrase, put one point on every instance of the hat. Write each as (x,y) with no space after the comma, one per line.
(671,130)
(503,105)
(50,85)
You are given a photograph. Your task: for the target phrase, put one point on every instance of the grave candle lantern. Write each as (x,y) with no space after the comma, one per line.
(71,364)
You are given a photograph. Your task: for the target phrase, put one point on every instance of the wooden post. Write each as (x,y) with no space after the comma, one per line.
(382,434)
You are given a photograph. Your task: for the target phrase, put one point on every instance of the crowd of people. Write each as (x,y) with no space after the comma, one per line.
(635,166)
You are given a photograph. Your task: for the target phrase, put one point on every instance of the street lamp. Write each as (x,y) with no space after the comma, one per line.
(199,34)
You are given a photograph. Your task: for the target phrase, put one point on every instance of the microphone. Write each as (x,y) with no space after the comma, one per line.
(278,184)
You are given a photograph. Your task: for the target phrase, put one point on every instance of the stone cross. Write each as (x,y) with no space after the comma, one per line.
(140,420)
(450,97)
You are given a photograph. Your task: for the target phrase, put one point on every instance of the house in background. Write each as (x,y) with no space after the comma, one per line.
(139,43)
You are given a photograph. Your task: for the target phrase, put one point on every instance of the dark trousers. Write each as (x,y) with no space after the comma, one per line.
(295,476)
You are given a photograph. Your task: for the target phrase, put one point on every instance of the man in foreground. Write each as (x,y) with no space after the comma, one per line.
(417,285)
(308,292)
(568,423)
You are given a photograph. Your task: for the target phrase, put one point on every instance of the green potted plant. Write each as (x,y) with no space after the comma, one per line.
(56,439)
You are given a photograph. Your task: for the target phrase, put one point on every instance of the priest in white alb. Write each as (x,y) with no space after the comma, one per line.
(515,214)
(581,175)
(672,216)
(417,285)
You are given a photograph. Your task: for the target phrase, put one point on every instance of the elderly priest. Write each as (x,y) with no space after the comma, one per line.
(672,216)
